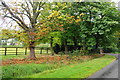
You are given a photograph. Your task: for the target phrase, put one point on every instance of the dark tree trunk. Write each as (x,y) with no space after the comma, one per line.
(32,51)
(66,48)
(97,43)
(75,43)
(84,48)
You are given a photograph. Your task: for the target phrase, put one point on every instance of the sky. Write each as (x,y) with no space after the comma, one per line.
(60,0)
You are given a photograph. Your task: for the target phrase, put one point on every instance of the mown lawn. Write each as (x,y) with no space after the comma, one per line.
(81,70)
(2,57)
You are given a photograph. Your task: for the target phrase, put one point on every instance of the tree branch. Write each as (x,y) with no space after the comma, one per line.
(26,11)
(16,22)
(22,24)
(36,12)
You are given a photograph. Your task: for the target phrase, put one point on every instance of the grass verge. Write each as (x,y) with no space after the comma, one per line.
(81,70)
(18,70)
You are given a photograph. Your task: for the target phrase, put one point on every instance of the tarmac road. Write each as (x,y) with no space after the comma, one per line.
(110,72)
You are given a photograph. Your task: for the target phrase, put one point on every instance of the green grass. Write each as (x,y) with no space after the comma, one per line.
(18,70)
(12,57)
(81,70)
(115,52)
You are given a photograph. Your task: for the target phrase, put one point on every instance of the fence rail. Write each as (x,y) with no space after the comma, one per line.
(16,51)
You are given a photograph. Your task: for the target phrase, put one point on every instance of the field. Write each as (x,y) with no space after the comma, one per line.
(21,51)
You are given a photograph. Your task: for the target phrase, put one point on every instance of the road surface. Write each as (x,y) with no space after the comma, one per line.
(110,72)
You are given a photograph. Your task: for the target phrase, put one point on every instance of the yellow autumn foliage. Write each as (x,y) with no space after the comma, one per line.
(82,14)
(77,20)
(54,13)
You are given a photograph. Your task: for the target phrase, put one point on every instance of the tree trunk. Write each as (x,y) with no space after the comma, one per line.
(51,45)
(32,51)
(84,46)
(75,43)
(66,48)
(97,43)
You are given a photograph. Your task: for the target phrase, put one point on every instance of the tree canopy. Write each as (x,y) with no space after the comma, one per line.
(90,25)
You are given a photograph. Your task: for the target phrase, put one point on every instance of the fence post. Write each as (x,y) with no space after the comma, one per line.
(41,51)
(16,50)
(25,51)
(5,51)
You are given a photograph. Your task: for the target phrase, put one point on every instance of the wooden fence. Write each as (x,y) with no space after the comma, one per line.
(25,50)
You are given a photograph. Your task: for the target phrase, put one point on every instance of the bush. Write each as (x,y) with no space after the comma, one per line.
(107,50)
(78,52)
(61,48)
(56,48)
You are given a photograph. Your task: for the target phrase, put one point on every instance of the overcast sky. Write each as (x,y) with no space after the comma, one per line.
(57,0)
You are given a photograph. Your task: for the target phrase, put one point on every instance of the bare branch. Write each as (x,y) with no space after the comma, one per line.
(22,13)
(36,11)
(16,22)
(30,3)
(26,11)
(22,24)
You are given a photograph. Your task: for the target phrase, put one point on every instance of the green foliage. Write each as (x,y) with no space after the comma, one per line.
(78,52)
(97,25)
(56,37)
(89,24)
(7,34)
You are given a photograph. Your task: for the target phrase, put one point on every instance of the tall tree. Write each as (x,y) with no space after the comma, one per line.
(97,23)
(25,14)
